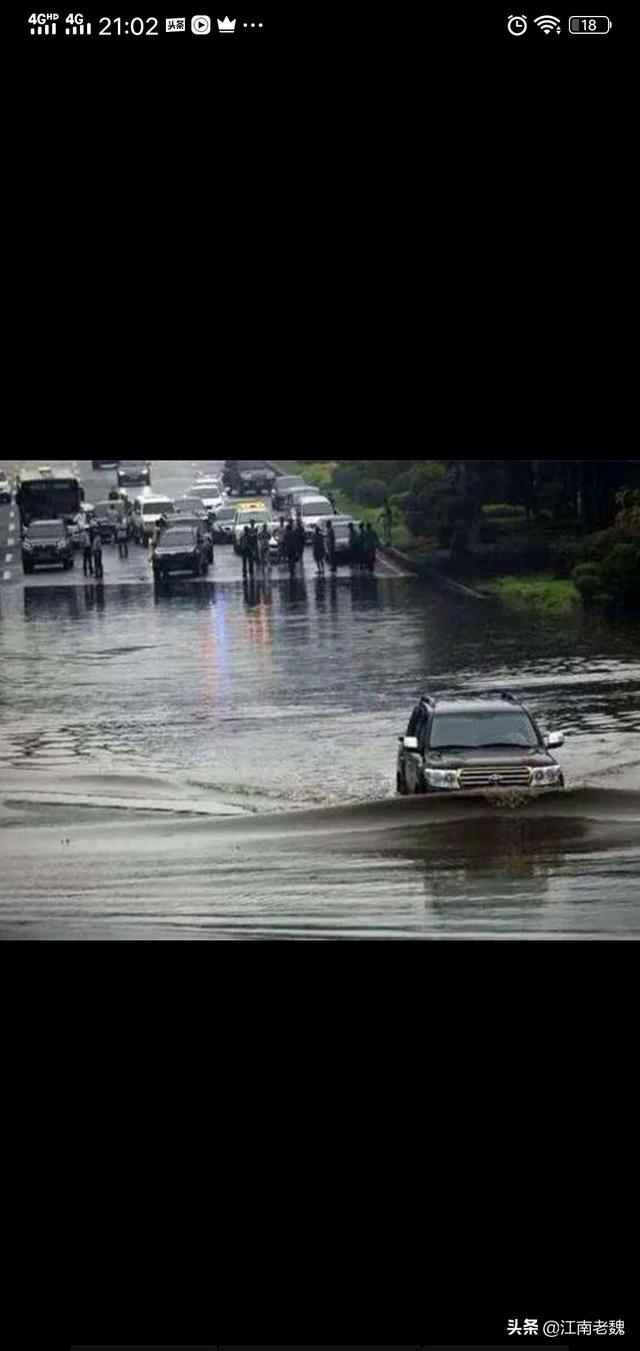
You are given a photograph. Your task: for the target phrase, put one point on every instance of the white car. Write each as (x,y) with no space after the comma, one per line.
(5,489)
(208,492)
(313,511)
(147,511)
(210,479)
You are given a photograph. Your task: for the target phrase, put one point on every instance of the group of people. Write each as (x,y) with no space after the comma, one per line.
(91,545)
(255,549)
(363,547)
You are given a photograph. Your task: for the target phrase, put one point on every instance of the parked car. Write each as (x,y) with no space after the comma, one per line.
(191,505)
(487,742)
(282,487)
(211,481)
(313,511)
(148,510)
(207,491)
(195,521)
(250,513)
(223,524)
(133,472)
(258,480)
(292,498)
(181,549)
(105,464)
(5,490)
(46,542)
(342,534)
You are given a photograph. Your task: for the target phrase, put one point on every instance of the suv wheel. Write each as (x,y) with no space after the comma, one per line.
(401,783)
(421,786)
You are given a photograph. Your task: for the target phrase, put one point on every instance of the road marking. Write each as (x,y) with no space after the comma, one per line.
(9,558)
(6,576)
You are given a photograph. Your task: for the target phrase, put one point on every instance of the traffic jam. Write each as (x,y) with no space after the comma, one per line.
(270,523)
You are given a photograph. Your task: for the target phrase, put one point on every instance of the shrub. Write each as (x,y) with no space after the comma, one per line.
(620,572)
(564,556)
(373,493)
(587,580)
(346,476)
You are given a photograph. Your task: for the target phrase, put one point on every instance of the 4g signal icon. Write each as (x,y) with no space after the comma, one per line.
(76,26)
(43,24)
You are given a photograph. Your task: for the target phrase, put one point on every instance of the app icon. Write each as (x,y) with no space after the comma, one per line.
(201,24)
(517,25)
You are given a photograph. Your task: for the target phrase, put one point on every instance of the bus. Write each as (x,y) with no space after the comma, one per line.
(47,495)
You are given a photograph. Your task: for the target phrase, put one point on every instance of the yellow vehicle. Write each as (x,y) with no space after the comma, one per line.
(251,510)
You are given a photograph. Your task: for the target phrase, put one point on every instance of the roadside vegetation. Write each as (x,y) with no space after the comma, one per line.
(545,534)
(555,597)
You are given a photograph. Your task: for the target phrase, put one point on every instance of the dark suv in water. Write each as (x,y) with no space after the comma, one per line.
(181,549)
(46,542)
(486,742)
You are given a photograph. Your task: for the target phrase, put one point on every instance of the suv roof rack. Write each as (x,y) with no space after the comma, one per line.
(431,700)
(502,694)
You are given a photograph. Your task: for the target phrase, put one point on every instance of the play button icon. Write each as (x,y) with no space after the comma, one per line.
(201,24)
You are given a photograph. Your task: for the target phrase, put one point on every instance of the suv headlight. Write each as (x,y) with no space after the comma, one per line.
(550,774)
(27,546)
(442,778)
(62,544)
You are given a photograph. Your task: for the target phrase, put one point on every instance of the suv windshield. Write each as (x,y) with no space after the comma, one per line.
(54,531)
(246,517)
(157,508)
(178,538)
(315,506)
(467,731)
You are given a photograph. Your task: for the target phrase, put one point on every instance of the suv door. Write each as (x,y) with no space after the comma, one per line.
(412,760)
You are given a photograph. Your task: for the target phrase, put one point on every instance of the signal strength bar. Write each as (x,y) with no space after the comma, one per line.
(45,29)
(79,30)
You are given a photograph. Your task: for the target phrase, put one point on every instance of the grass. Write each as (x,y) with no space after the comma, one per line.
(538,591)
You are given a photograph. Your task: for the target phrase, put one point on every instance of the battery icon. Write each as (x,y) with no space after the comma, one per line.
(589,23)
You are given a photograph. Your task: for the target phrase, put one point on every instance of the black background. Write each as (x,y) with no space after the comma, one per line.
(395,230)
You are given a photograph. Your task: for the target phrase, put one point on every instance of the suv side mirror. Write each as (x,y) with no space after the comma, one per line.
(410,743)
(552,739)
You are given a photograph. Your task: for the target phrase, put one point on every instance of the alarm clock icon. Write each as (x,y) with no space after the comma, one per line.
(517,25)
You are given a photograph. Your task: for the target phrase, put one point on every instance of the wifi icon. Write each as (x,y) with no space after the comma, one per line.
(547,22)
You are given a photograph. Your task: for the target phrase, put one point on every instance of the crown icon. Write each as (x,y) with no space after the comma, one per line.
(227,25)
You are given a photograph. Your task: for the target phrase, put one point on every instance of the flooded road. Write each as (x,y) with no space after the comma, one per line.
(207,761)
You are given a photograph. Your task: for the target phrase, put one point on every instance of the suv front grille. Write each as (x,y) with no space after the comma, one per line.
(495,776)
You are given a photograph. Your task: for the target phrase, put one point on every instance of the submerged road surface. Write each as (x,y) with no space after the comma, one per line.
(213,761)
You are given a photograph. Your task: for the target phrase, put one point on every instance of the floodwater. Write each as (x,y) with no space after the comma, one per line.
(207,762)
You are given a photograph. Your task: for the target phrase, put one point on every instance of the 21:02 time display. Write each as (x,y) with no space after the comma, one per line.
(137,28)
